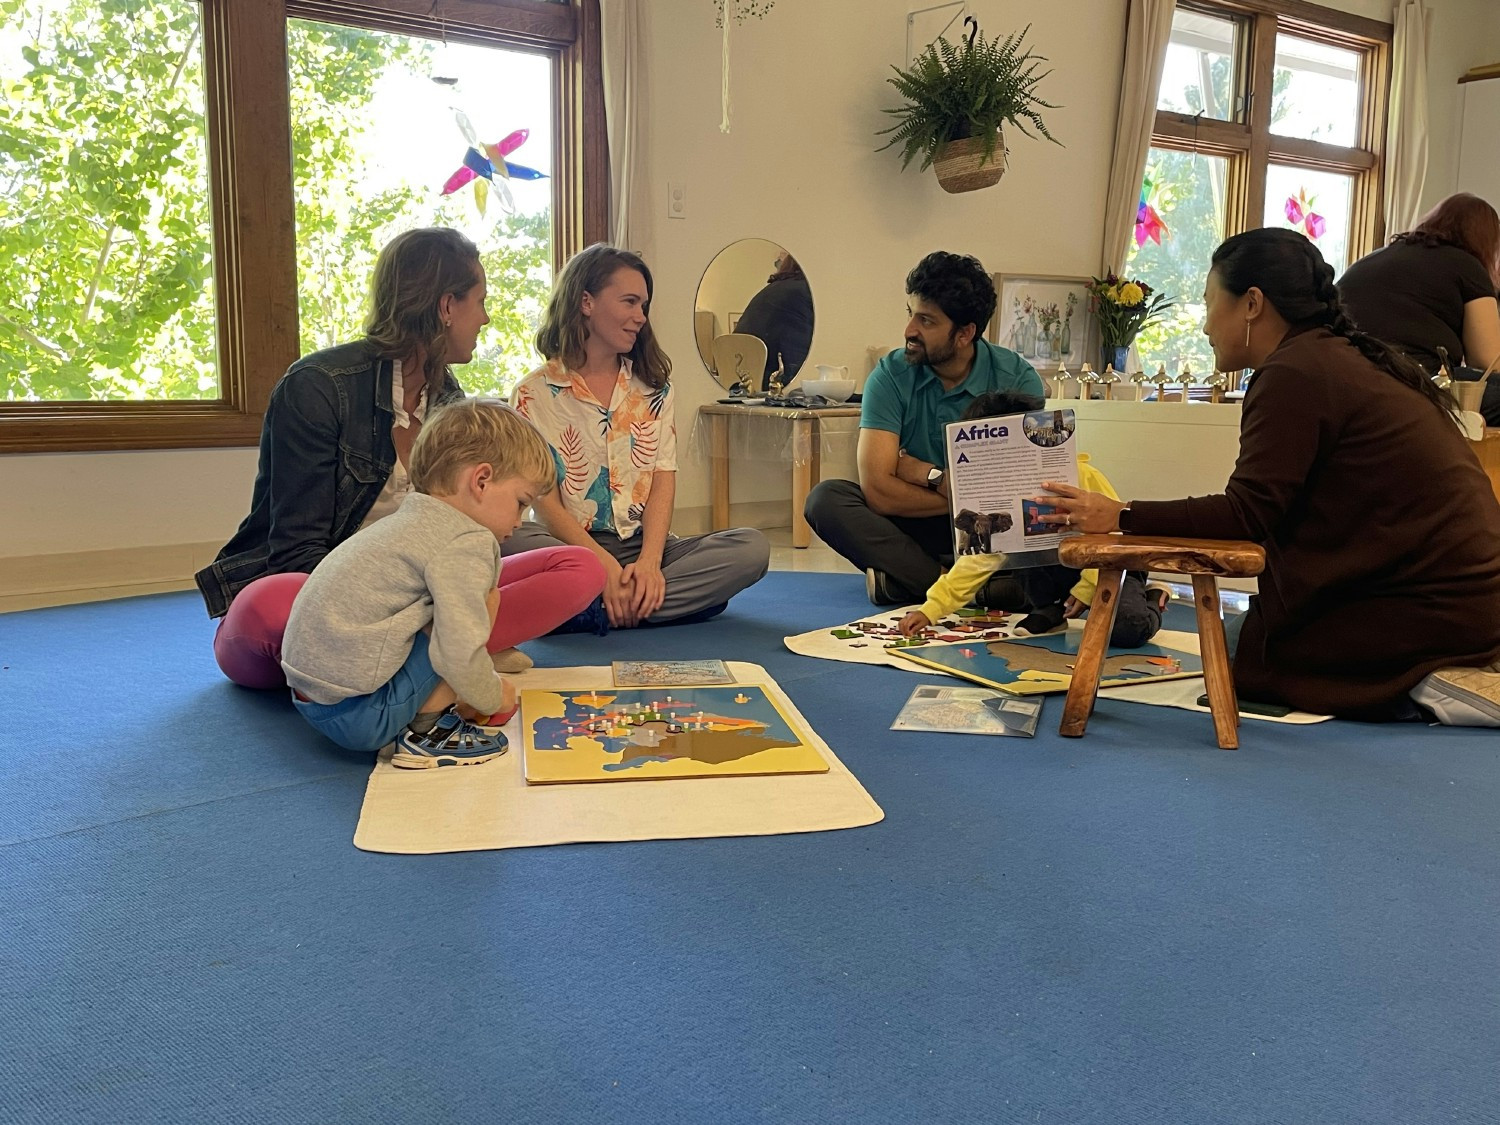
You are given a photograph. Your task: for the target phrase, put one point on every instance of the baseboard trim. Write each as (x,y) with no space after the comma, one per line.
(37,581)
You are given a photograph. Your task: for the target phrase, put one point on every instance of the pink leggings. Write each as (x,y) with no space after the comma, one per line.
(539,590)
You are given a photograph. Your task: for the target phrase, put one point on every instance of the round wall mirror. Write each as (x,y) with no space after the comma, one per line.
(756,288)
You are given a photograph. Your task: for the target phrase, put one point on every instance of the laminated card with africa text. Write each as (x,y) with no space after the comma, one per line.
(995,471)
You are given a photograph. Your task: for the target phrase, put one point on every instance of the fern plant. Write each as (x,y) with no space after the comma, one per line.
(970,90)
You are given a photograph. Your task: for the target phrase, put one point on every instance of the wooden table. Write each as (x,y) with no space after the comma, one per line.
(1487,449)
(806,445)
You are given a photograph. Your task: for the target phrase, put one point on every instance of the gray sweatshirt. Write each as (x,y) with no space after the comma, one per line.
(352,625)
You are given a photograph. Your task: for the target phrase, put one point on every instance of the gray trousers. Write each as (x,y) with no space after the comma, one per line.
(702,571)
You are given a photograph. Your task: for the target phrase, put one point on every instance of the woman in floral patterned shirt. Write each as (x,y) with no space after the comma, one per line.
(604,403)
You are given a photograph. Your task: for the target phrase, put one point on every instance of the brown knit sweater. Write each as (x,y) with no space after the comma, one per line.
(1382,534)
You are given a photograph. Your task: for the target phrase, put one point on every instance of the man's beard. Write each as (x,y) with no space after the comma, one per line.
(922,356)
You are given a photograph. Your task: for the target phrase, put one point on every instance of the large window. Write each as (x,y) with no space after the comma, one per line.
(106,250)
(378,135)
(192,193)
(1264,118)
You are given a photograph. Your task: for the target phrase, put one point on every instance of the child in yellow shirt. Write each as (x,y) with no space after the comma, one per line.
(1053,593)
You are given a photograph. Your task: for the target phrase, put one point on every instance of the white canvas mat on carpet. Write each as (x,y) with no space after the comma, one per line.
(477,808)
(823,645)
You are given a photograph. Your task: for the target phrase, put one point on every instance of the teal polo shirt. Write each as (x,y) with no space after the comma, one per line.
(911,402)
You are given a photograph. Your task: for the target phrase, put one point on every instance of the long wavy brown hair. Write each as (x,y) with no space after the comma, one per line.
(564,330)
(1465,221)
(414,272)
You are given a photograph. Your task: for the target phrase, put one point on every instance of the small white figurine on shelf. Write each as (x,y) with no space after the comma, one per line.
(1218,383)
(1086,380)
(1186,379)
(1060,379)
(1107,379)
(1161,379)
(1138,381)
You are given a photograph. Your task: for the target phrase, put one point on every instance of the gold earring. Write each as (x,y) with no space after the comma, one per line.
(1247,333)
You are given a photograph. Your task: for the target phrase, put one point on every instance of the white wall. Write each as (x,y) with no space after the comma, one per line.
(1465,34)
(799,168)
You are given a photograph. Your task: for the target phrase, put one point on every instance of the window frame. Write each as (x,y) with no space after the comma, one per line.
(1247,141)
(252,209)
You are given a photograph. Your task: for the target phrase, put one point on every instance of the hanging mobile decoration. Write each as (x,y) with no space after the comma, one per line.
(483,162)
(1148,221)
(1300,213)
(740,10)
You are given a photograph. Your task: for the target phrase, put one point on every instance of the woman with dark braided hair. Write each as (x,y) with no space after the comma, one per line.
(1382,535)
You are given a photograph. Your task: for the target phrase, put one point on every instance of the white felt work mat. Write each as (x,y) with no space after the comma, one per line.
(822,644)
(476,808)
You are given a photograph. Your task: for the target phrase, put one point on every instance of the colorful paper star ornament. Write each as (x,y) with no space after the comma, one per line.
(1300,214)
(483,161)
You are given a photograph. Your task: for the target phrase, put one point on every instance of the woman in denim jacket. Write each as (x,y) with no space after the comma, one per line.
(337,437)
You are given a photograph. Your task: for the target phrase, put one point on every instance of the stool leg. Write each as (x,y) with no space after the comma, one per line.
(1091,652)
(1215,653)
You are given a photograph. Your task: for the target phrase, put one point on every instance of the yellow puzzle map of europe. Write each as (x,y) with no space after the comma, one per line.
(624,734)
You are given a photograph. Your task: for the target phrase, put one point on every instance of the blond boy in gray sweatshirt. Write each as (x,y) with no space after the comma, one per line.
(386,641)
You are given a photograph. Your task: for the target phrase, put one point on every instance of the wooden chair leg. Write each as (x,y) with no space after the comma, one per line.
(1215,653)
(1091,652)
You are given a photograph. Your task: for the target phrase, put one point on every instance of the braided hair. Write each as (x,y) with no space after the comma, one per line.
(1291,273)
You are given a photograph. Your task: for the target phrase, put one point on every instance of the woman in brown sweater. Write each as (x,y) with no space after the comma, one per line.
(1381,531)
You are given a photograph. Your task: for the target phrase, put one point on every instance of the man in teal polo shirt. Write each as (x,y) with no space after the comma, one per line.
(894,524)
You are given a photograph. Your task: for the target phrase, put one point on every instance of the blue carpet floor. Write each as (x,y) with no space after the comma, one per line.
(1131,927)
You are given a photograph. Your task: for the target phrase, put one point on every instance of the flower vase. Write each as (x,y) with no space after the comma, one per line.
(1115,357)
(1066,348)
(1044,345)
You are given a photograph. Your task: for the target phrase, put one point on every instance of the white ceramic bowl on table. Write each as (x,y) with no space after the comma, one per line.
(834,390)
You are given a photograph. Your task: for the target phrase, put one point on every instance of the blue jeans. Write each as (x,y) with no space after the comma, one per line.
(368,722)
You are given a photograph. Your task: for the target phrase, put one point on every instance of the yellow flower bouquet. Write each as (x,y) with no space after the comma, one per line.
(1124,307)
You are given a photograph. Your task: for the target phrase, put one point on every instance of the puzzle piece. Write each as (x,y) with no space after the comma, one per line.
(1148,669)
(845,634)
(907,642)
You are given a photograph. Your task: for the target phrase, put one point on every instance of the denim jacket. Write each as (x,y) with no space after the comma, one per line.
(325,454)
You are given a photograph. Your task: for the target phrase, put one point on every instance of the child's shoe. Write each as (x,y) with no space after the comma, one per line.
(1044,619)
(452,741)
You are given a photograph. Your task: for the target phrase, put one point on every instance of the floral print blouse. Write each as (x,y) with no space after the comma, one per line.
(606,454)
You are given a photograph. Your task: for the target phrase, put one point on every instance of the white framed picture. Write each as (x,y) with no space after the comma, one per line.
(1046,318)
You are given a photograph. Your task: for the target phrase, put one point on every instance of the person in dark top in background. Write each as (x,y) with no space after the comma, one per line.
(1434,287)
(1381,590)
(781,314)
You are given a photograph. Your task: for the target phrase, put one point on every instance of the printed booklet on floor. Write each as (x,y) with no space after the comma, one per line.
(995,471)
(968,710)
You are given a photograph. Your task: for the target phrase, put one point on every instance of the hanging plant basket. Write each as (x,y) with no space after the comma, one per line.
(961,165)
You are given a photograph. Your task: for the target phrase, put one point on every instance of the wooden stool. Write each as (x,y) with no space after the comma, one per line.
(1206,560)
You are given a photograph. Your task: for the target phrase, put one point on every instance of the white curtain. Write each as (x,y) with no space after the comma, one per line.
(623,47)
(1406,127)
(1148,28)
